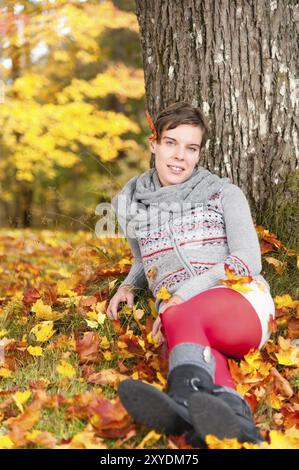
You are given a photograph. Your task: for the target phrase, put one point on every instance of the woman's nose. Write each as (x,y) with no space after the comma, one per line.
(180,153)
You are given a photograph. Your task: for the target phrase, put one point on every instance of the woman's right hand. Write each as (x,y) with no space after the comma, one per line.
(124,294)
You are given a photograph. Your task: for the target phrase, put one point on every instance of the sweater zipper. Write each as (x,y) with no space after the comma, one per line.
(177,249)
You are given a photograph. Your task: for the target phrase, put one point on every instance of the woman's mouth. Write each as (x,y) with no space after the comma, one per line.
(176,170)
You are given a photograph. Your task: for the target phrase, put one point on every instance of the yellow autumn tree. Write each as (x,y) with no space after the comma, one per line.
(57,79)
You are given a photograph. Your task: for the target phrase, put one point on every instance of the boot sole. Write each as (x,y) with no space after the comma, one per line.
(153,408)
(211,415)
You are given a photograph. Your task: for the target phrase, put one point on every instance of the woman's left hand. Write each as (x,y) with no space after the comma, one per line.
(156,330)
(174,300)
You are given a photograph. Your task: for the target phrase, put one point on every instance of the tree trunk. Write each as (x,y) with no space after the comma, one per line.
(236,60)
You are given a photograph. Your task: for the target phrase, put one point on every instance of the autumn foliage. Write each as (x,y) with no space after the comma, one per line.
(63,358)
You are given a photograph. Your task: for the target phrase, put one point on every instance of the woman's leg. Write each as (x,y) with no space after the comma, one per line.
(220,318)
(222,322)
(222,373)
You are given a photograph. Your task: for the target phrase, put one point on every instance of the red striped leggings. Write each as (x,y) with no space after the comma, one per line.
(229,321)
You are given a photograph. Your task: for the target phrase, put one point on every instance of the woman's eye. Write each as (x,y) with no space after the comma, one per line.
(193,150)
(168,142)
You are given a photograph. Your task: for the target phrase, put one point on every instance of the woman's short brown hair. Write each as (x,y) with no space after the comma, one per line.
(175,115)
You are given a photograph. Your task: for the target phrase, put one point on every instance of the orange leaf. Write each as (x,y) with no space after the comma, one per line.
(88,348)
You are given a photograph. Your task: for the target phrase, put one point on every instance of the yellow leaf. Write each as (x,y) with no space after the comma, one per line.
(3,332)
(124,262)
(6,442)
(5,373)
(33,435)
(105,343)
(107,355)
(44,312)
(92,324)
(141,342)
(240,287)
(161,379)
(288,358)
(92,315)
(101,318)
(275,401)
(43,331)
(163,294)
(279,441)
(243,388)
(35,350)
(63,273)
(150,439)
(214,442)
(66,369)
(285,301)
(251,362)
(87,440)
(20,398)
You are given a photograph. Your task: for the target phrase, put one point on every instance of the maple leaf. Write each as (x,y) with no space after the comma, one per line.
(279,441)
(285,301)
(84,440)
(88,348)
(20,398)
(278,265)
(240,287)
(288,358)
(5,373)
(35,350)
(66,369)
(163,294)
(30,296)
(43,331)
(150,439)
(44,312)
(106,377)
(6,442)
(41,438)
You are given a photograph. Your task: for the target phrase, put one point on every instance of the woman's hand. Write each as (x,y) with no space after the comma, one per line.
(174,300)
(157,325)
(156,331)
(123,294)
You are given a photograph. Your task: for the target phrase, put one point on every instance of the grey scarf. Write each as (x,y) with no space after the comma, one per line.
(144,202)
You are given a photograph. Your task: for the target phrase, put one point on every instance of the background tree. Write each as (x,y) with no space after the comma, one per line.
(71,106)
(238,61)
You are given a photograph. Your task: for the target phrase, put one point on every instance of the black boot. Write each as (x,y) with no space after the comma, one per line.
(165,412)
(224,415)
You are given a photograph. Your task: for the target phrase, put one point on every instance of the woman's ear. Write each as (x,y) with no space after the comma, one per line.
(152,146)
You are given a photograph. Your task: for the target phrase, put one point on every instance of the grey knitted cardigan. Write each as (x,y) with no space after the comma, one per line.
(208,224)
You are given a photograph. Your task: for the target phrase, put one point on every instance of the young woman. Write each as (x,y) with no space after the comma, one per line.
(185,225)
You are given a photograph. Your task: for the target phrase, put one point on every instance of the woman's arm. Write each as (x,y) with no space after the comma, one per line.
(245,254)
(136,276)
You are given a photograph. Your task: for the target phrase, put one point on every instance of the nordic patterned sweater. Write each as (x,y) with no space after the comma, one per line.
(179,258)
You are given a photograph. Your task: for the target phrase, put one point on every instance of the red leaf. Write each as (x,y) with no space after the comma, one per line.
(88,348)
(30,296)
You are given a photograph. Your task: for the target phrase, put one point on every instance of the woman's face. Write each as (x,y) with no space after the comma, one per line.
(177,154)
